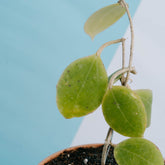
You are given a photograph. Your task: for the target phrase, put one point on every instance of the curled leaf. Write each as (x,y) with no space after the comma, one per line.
(146,97)
(103,18)
(116,79)
(137,151)
(124,111)
(81,87)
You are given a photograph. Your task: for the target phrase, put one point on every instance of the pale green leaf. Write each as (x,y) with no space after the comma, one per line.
(137,151)
(81,87)
(124,111)
(103,18)
(146,97)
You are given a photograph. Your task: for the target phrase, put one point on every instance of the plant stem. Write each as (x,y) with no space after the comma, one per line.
(123,61)
(123,3)
(123,80)
(107,145)
(123,54)
(110,131)
(99,51)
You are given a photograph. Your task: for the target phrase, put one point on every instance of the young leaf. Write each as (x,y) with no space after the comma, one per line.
(81,87)
(137,151)
(103,18)
(146,97)
(124,111)
(119,76)
(116,79)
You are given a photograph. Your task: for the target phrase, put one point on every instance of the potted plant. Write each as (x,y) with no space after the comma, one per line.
(84,86)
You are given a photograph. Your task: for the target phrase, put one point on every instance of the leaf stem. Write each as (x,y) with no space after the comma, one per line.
(99,51)
(123,61)
(124,4)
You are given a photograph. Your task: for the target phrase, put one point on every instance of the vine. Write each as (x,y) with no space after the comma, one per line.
(84,86)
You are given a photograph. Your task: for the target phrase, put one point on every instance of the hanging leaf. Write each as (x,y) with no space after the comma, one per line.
(81,87)
(137,151)
(124,111)
(103,18)
(146,97)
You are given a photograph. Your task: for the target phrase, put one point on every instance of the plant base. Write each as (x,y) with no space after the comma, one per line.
(80,155)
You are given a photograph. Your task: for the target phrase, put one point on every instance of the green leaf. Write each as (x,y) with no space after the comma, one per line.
(81,88)
(124,111)
(146,97)
(103,18)
(137,151)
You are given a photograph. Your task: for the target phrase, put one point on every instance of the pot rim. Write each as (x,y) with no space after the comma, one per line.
(56,154)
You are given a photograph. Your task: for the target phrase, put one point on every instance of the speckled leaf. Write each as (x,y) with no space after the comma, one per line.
(124,111)
(146,97)
(103,18)
(137,151)
(81,87)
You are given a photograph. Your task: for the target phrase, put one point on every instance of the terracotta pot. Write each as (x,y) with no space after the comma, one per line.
(55,155)
(46,160)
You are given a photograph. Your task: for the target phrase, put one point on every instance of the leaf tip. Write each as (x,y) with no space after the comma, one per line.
(92,37)
(89,34)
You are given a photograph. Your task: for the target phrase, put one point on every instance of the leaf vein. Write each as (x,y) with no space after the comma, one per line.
(133,153)
(122,111)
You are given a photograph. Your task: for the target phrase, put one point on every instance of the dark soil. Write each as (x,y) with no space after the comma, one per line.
(83,156)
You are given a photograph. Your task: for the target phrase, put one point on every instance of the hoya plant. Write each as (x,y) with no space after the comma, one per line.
(85,85)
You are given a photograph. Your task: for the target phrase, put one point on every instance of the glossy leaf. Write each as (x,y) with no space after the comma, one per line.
(137,151)
(146,97)
(103,18)
(124,111)
(81,87)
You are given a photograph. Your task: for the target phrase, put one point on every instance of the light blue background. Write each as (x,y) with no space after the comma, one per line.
(38,39)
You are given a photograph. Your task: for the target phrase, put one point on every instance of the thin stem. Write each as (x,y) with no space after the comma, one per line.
(107,146)
(108,140)
(132,70)
(99,51)
(123,61)
(123,3)
(123,80)
(123,54)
